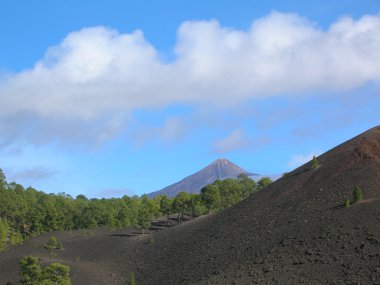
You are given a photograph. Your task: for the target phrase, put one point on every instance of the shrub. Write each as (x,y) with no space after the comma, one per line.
(357,194)
(347,203)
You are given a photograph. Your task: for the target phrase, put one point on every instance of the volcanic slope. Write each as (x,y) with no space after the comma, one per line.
(295,231)
(219,169)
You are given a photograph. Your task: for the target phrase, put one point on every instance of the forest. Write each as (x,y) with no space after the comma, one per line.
(26,213)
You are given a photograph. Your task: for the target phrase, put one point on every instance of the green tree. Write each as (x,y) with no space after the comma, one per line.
(248,185)
(210,196)
(263,183)
(231,192)
(143,218)
(180,204)
(152,205)
(57,274)
(3,233)
(51,245)
(314,162)
(194,204)
(166,206)
(3,180)
(357,194)
(30,271)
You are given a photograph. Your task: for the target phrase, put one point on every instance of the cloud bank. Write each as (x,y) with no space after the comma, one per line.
(87,87)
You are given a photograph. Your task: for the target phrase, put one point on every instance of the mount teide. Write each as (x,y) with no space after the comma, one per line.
(219,169)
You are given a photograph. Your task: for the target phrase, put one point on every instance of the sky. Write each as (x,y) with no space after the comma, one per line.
(113,98)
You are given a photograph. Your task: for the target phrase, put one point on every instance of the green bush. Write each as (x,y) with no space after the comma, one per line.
(347,203)
(357,194)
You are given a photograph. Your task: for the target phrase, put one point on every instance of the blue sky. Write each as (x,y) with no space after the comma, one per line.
(126,97)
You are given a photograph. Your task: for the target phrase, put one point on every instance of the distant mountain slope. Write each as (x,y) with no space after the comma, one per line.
(219,169)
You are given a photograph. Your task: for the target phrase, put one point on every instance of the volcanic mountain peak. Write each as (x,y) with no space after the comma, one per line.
(219,169)
(224,163)
(221,161)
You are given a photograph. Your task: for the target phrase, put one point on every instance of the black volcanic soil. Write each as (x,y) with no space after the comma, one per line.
(294,232)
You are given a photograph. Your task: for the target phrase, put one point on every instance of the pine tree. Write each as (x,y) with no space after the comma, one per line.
(51,245)
(314,162)
(30,270)
(57,273)
(357,194)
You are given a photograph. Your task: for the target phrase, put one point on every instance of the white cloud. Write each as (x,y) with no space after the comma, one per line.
(299,159)
(173,129)
(34,174)
(233,141)
(85,86)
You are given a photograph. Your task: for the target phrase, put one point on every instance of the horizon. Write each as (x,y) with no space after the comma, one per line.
(103,101)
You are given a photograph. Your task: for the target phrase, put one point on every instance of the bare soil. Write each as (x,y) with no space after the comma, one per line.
(294,232)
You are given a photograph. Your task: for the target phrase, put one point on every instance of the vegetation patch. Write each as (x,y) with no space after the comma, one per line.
(31,273)
(26,213)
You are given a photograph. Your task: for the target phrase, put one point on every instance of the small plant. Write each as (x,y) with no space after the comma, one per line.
(60,246)
(51,245)
(357,194)
(132,279)
(347,203)
(314,162)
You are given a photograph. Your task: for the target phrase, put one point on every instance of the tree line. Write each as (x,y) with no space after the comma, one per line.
(25,213)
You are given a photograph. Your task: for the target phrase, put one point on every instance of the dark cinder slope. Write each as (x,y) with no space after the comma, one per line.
(219,169)
(294,232)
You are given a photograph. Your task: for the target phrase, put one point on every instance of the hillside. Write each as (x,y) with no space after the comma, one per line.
(219,169)
(294,232)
